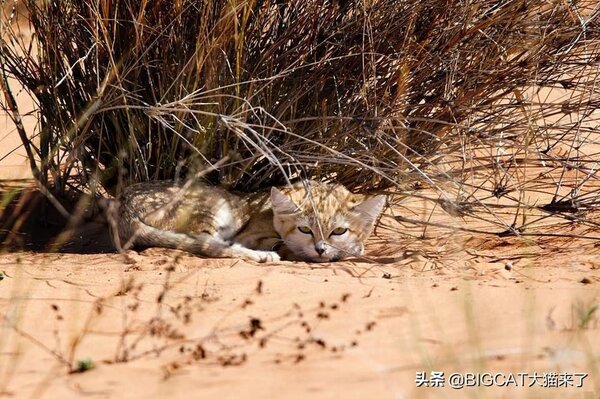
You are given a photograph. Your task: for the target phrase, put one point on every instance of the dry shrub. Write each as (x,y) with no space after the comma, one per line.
(373,94)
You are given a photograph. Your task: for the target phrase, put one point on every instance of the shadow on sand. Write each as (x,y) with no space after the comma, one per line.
(29,222)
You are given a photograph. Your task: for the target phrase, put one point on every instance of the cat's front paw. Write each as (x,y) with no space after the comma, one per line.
(267,256)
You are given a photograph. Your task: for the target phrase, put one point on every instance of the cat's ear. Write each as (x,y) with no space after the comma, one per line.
(371,208)
(281,203)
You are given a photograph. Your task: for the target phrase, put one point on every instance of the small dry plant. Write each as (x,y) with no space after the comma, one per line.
(173,327)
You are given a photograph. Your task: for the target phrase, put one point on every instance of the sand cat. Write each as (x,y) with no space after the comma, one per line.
(312,221)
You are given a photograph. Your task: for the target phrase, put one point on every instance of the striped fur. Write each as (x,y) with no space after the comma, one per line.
(211,221)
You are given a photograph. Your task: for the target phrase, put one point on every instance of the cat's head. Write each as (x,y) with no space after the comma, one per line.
(321,222)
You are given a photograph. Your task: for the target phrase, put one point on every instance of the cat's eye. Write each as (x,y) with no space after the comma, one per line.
(339,231)
(305,229)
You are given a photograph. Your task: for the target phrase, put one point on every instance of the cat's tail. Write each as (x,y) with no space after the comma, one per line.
(200,243)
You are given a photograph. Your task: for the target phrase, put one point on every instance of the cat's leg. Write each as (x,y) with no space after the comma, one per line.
(239,251)
(198,243)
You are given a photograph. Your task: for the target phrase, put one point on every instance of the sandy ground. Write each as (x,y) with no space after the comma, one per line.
(13,160)
(165,324)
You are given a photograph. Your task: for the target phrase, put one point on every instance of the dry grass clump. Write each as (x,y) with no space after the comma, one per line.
(465,98)
(359,92)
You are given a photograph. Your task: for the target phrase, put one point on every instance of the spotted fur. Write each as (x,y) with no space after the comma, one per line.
(310,221)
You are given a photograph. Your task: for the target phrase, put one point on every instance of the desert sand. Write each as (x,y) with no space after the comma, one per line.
(165,324)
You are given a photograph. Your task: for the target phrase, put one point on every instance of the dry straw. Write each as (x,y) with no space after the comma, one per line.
(461,97)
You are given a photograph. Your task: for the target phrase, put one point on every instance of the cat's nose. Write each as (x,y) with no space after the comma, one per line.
(320,247)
